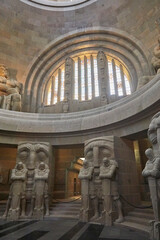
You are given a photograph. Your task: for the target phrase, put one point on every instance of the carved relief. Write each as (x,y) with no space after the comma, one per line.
(10,91)
(99,182)
(68,83)
(102,75)
(29,190)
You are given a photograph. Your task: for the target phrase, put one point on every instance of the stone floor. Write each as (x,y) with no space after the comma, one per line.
(65,229)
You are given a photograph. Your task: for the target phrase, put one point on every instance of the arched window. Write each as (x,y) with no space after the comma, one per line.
(89,76)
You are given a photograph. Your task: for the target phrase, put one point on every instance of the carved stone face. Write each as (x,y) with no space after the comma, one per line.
(106,162)
(97,149)
(33,153)
(149,153)
(20,166)
(41,166)
(85,164)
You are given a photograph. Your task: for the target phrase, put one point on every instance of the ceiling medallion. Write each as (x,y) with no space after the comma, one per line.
(58,5)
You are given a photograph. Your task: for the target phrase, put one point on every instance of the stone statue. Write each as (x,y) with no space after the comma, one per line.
(41,191)
(110,190)
(156,64)
(29,190)
(152,173)
(98,182)
(156,58)
(13,100)
(10,91)
(17,193)
(33,154)
(85,175)
(143,81)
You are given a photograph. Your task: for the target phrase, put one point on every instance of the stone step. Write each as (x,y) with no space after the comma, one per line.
(61,216)
(58,208)
(64,212)
(133,225)
(148,216)
(137,220)
(147,210)
(66,204)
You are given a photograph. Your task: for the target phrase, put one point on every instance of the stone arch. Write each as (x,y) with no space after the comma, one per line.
(117,42)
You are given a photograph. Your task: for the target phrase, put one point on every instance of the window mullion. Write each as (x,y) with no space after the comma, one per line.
(52,89)
(86,77)
(107,80)
(92,76)
(114,77)
(79,79)
(122,79)
(46,94)
(59,85)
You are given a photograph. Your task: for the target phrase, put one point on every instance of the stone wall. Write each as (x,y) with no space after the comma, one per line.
(7,162)
(26,30)
(129,186)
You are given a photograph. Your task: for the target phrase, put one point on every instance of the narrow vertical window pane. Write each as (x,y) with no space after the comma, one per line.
(119,81)
(96,77)
(89,78)
(49,96)
(82,80)
(62,85)
(55,89)
(76,79)
(111,80)
(127,85)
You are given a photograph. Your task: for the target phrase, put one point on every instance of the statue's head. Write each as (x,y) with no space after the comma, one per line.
(85,164)
(32,154)
(99,148)
(106,162)
(42,166)
(149,153)
(20,166)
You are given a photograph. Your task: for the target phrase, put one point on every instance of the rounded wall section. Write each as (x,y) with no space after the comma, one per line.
(114,41)
(123,118)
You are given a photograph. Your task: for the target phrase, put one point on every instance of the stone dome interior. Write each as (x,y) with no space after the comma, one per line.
(78,79)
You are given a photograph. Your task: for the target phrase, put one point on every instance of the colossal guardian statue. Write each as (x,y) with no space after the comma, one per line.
(99,182)
(28,197)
